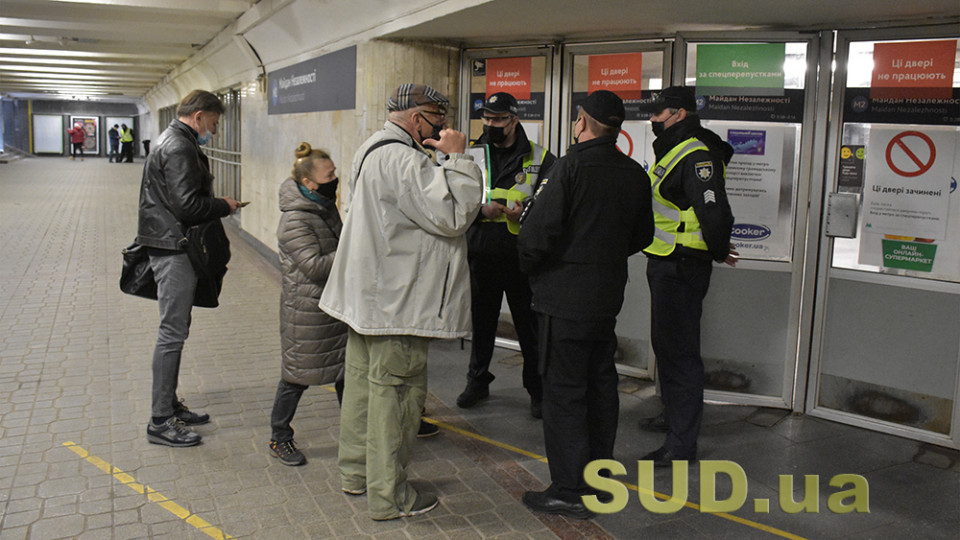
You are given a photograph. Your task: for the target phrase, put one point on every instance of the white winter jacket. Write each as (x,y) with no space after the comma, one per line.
(401,266)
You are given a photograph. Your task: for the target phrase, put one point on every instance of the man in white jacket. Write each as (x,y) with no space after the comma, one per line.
(399,279)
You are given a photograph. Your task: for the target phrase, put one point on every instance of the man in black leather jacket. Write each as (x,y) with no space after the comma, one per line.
(177,192)
(590,214)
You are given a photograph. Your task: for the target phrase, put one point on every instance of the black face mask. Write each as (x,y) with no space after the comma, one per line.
(660,127)
(328,190)
(495,134)
(435,134)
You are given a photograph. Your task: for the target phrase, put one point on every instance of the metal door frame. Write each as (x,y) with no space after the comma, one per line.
(824,270)
(551,82)
(806,205)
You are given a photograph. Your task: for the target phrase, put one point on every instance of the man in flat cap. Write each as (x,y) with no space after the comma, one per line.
(400,278)
(693,223)
(515,165)
(588,216)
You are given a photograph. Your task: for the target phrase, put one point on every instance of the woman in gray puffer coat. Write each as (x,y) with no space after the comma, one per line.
(313,342)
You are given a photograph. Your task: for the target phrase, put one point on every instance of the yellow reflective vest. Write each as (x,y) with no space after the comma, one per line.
(126,135)
(521,190)
(668,217)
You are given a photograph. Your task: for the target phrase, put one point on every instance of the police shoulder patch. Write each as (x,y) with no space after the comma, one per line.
(704,170)
(543,184)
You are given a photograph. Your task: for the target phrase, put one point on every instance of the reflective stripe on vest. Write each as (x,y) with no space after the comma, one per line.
(519,192)
(668,217)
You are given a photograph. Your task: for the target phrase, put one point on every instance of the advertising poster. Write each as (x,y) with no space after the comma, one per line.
(754,180)
(618,73)
(511,75)
(741,69)
(908,196)
(913,69)
(91,141)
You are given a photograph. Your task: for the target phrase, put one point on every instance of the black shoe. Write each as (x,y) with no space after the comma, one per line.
(661,457)
(189,417)
(472,395)
(658,424)
(287,453)
(546,502)
(171,432)
(536,408)
(427,430)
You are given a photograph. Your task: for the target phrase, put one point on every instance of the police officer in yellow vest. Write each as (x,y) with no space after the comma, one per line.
(126,144)
(514,166)
(692,221)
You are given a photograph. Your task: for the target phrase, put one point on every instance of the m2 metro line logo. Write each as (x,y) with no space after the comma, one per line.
(750,232)
(853,496)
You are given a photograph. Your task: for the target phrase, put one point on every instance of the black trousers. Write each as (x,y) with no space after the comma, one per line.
(285,406)
(580,401)
(490,279)
(677,290)
(126,152)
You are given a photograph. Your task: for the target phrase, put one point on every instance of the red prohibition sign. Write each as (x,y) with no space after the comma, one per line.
(629,140)
(898,142)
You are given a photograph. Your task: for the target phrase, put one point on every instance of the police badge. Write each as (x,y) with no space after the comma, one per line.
(704,170)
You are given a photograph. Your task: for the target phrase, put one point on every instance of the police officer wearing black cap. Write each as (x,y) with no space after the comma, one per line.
(693,223)
(515,167)
(591,212)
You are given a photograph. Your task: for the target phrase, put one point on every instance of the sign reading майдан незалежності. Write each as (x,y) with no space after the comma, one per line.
(325,83)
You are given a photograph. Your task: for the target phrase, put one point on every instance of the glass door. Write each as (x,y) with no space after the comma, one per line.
(759,92)
(527,73)
(887,348)
(633,71)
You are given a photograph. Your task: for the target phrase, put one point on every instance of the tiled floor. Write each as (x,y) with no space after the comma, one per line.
(74,400)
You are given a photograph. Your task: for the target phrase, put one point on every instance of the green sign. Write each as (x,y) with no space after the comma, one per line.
(754,69)
(909,255)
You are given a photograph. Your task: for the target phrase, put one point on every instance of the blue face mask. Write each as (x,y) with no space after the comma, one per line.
(203,139)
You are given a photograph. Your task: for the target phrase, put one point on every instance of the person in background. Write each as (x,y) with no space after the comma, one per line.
(177,192)
(126,144)
(693,222)
(399,279)
(77,137)
(515,164)
(114,136)
(589,214)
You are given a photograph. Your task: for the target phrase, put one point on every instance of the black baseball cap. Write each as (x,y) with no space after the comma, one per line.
(500,103)
(605,107)
(672,97)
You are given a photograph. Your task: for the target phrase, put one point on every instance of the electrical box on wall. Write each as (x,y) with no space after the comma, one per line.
(842,214)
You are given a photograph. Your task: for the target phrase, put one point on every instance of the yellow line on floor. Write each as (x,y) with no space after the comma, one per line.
(143,489)
(694,506)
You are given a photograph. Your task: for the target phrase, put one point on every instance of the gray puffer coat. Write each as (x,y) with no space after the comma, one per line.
(313,342)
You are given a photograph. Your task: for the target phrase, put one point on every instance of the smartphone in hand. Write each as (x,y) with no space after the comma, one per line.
(242,204)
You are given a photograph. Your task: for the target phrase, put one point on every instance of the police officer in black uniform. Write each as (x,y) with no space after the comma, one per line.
(693,223)
(588,216)
(515,166)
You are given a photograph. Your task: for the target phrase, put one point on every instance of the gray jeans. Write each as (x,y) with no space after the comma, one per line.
(176,283)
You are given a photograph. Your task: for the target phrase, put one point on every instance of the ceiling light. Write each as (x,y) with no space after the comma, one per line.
(30,41)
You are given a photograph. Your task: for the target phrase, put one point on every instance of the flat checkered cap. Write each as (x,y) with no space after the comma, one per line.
(408,96)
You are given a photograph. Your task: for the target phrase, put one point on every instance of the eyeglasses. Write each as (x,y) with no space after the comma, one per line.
(497,119)
(441,115)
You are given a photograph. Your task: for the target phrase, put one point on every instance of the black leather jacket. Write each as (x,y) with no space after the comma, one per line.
(591,212)
(177,189)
